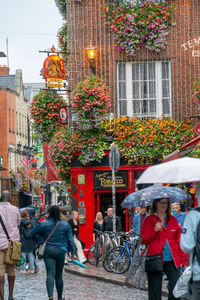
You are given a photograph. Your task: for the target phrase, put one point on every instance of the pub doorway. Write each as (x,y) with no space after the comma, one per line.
(105,201)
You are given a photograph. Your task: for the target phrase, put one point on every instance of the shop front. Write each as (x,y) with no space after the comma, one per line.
(92,192)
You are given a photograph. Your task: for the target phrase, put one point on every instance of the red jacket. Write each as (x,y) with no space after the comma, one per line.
(156,240)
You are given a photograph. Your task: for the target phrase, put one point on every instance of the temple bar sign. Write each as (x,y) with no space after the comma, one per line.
(192,45)
(103,180)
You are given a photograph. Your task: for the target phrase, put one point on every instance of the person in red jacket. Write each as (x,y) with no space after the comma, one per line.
(161,232)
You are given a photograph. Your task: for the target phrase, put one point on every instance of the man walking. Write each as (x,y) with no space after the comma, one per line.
(108,221)
(180,216)
(138,220)
(11,219)
(188,244)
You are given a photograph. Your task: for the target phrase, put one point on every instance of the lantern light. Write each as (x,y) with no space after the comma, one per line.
(91,53)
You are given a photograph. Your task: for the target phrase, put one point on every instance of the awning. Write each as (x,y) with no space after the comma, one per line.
(187,148)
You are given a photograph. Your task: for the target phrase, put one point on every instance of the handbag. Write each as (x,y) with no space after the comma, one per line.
(136,276)
(154,263)
(41,249)
(13,252)
(182,287)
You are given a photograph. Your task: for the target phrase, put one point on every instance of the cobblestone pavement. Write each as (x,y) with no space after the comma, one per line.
(32,287)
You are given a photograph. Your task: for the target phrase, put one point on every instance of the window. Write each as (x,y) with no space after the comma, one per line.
(144,89)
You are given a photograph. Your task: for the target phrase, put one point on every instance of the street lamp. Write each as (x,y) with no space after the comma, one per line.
(91,53)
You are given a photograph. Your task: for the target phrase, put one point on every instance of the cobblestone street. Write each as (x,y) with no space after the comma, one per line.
(32,287)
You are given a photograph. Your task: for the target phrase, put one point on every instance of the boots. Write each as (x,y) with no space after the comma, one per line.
(11,282)
(2,281)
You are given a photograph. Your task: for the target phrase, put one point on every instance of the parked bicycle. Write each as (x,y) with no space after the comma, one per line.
(105,241)
(119,258)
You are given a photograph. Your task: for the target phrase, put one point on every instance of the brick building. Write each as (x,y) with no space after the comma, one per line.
(13,119)
(147,84)
(167,88)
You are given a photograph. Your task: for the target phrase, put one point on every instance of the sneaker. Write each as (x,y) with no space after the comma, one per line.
(22,272)
(36,269)
(31,271)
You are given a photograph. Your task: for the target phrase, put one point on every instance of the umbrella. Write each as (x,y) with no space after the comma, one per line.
(146,196)
(181,170)
(79,263)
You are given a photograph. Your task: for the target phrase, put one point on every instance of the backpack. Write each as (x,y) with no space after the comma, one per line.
(197,248)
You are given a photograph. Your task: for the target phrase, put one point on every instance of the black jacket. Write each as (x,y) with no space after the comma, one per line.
(108,224)
(28,244)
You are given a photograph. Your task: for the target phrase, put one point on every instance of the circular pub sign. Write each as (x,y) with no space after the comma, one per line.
(197,128)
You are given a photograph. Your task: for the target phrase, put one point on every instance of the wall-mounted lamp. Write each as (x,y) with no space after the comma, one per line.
(91,53)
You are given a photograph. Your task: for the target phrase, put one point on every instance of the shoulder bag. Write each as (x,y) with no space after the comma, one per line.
(13,252)
(41,249)
(154,263)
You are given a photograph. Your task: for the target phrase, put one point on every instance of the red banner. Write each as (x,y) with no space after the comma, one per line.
(52,171)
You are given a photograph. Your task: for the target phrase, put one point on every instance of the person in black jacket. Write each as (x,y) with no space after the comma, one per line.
(74,223)
(28,244)
(108,221)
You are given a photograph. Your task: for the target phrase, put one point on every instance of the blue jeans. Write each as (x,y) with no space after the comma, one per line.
(54,259)
(31,260)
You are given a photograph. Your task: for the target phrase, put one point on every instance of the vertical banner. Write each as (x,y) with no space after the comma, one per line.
(63,115)
(52,172)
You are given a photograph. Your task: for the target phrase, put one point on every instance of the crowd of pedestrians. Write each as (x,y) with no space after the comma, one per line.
(168,232)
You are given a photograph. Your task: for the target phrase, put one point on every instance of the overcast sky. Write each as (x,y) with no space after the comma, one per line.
(30,26)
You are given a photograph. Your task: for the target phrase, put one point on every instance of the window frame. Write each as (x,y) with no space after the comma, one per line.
(158,88)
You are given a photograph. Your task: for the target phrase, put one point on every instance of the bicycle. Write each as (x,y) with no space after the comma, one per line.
(119,259)
(95,251)
(104,243)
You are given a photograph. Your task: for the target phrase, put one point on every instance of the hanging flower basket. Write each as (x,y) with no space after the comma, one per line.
(45,113)
(141,23)
(91,102)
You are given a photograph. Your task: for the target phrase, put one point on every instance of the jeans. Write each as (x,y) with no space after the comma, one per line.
(155,281)
(54,259)
(196,290)
(31,260)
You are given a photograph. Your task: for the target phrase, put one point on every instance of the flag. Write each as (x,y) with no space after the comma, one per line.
(26,163)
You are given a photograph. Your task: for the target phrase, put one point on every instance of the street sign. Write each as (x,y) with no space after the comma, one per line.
(197,128)
(114,158)
(63,115)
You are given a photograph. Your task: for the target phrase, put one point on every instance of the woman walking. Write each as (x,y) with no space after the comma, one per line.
(74,223)
(60,241)
(161,232)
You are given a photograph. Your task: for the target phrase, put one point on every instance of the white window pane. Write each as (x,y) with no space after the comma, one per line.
(122,90)
(165,70)
(166,106)
(152,106)
(123,107)
(152,89)
(122,71)
(136,107)
(135,90)
(165,88)
(152,74)
(144,89)
(135,71)
(144,106)
(143,71)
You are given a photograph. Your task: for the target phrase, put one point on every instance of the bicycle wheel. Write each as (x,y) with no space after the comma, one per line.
(91,255)
(106,264)
(98,252)
(119,260)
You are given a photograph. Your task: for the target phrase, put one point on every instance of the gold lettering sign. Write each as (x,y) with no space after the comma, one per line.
(103,180)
